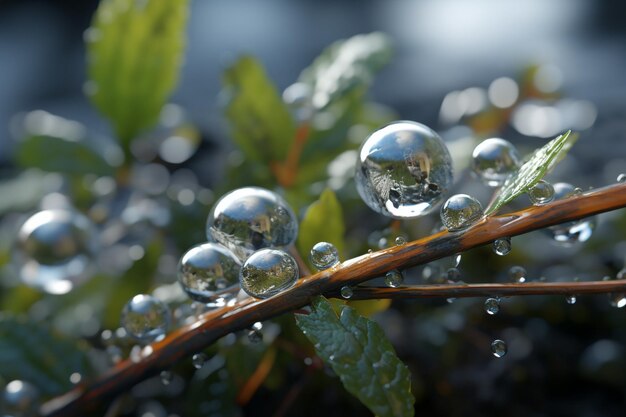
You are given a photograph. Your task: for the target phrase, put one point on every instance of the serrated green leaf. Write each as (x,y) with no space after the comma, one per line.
(135,49)
(322,222)
(359,352)
(261,123)
(534,169)
(31,352)
(346,65)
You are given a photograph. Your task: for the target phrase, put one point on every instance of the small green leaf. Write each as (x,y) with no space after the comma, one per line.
(135,50)
(323,222)
(31,352)
(346,65)
(534,169)
(359,352)
(261,124)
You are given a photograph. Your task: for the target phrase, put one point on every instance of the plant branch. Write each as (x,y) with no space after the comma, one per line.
(186,341)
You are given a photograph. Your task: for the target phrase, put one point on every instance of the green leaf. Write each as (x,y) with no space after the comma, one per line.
(534,169)
(135,50)
(346,65)
(322,222)
(359,352)
(25,190)
(261,123)
(31,352)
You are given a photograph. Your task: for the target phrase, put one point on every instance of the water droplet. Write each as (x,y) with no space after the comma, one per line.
(346,292)
(453,274)
(55,249)
(198,360)
(617,300)
(542,193)
(257,326)
(19,398)
(255,336)
(370,251)
(396,166)
(324,255)
(460,211)
(498,348)
(267,272)
(578,191)
(450,300)
(251,218)
(494,160)
(502,246)
(75,378)
(394,279)
(208,272)
(517,274)
(492,306)
(145,318)
(621,178)
(621,274)
(570,299)
(400,240)
(570,233)
(166,377)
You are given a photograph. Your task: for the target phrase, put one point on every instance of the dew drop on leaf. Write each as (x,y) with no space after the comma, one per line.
(267,272)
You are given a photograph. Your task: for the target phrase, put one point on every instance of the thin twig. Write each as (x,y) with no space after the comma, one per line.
(193,338)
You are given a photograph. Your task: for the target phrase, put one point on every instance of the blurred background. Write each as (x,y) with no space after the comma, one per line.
(544,67)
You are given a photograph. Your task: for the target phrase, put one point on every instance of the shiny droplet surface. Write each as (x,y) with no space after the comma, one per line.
(570,299)
(145,318)
(460,212)
(19,398)
(198,360)
(209,272)
(542,193)
(324,255)
(502,246)
(499,348)
(394,279)
(267,272)
(400,240)
(346,292)
(494,160)
(517,274)
(54,250)
(252,218)
(492,306)
(403,170)
(621,178)
(255,336)
(570,233)
(617,300)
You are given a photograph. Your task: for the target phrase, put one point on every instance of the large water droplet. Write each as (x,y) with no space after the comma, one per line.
(19,398)
(145,318)
(403,170)
(499,348)
(502,246)
(209,272)
(460,211)
(517,274)
(494,160)
(492,306)
(394,279)
(570,233)
(542,193)
(54,250)
(324,255)
(251,218)
(268,272)
(346,292)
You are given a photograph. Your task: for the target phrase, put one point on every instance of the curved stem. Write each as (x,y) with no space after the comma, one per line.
(190,339)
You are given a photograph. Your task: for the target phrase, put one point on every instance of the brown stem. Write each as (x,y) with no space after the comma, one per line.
(193,338)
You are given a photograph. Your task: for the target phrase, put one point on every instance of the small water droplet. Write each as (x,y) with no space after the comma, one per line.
(617,300)
(570,233)
(198,360)
(257,326)
(417,157)
(255,336)
(19,398)
(370,251)
(492,306)
(145,318)
(394,279)
(499,348)
(494,160)
(450,300)
(346,292)
(453,274)
(267,272)
(570,299)
(166,377)
(460,212)
(502,246)
(577,191)
(621,178)
(517,274)
(324,255)
(542,193)
(400,240)
(621,274)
